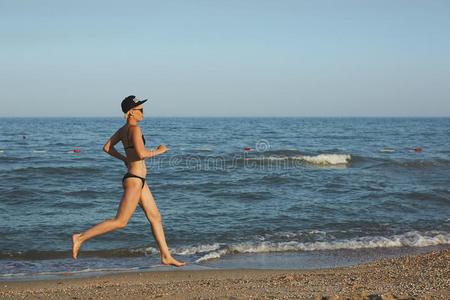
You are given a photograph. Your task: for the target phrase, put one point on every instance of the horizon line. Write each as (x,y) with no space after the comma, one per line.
(261,116)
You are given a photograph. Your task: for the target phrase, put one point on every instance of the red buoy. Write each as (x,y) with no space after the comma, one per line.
(248,149)
(76,150)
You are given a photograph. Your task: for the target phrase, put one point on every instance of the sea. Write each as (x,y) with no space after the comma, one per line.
(271,193)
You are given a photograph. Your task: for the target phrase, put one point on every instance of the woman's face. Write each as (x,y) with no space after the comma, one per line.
(138,112)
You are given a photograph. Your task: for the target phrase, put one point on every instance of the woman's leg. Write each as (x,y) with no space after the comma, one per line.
(128,204)
(148,205)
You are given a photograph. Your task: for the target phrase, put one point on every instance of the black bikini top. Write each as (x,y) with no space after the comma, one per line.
(131,144)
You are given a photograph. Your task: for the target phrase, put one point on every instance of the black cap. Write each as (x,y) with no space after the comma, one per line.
(130,102)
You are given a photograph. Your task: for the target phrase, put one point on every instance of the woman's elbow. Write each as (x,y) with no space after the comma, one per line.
(106,148)
(141,155)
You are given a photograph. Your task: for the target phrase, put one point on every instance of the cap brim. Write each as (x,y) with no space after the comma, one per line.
(142,102)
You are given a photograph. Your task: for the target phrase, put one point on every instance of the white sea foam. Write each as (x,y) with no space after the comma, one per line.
(321,159)
(197,249)
(146,251)
(212,255)
(409,239)
(325,159)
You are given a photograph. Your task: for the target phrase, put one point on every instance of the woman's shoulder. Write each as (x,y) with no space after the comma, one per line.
(128,128)
(134,128)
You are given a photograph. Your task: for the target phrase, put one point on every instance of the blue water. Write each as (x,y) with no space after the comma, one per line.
(227,187)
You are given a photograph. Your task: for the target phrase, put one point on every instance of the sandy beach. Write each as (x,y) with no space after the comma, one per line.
(423,276)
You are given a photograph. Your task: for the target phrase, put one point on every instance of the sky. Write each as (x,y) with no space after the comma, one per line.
(225,58)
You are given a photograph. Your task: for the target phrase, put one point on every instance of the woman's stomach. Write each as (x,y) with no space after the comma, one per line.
(137,168)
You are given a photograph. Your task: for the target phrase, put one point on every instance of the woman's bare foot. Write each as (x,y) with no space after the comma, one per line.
(76,244)
(172,261)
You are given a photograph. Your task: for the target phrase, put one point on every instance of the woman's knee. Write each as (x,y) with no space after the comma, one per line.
(156,218)
(120,223)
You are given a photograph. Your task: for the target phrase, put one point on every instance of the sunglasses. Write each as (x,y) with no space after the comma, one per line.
(140,109)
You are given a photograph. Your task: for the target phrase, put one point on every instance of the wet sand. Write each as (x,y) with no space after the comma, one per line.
(422,276)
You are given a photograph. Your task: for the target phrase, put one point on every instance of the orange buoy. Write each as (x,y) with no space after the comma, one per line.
(418,149)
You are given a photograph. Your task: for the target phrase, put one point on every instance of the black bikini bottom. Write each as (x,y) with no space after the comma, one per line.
(127,175)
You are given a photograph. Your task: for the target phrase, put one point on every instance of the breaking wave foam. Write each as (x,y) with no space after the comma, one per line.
(409,239)
(321,159)
(325,159)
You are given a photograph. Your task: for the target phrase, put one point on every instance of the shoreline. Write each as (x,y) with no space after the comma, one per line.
(405,277)
(89,267)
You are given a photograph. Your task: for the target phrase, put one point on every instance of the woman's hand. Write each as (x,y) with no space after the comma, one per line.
(162,149)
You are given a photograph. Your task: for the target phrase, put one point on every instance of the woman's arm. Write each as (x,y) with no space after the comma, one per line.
(141,151)
(109,147)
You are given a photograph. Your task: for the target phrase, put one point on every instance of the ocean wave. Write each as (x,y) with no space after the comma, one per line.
(206,252)
(215,163)
(320,159)
(197,249)
(325,159)
(295,158)
(398,163)
(409,239)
